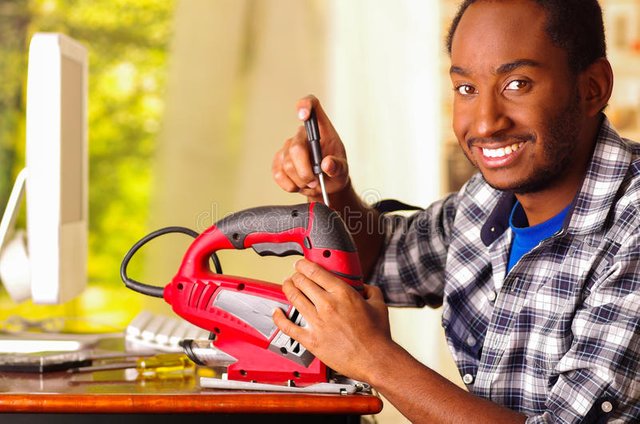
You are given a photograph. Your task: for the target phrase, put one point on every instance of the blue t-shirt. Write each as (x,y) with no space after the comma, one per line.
(525,238)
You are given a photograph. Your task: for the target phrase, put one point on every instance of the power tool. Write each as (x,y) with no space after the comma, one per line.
(237,311)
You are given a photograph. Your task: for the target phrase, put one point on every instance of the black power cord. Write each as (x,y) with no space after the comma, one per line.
(155,291)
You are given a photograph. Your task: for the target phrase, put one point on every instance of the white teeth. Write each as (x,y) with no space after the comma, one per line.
(503,151)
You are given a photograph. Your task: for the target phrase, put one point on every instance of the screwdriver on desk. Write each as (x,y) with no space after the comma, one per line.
(166,363)
(313,137)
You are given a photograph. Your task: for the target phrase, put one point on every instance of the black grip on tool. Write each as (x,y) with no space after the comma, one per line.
(263,219)
(327,231)
(313,137)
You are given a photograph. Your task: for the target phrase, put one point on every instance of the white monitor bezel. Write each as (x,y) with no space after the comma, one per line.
(57,250)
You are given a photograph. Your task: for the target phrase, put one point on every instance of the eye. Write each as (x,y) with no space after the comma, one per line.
(517,85)
(465,89)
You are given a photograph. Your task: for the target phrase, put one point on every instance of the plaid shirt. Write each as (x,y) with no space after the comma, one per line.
(557,338)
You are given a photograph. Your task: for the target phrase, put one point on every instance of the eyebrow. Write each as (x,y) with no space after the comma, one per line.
(500,70)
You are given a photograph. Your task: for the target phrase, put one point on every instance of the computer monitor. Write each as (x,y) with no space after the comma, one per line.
(56,178)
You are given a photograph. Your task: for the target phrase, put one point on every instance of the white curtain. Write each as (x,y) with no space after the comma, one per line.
(384,86)
(384,83)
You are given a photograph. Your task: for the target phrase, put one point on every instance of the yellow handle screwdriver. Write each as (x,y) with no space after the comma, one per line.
(161,364)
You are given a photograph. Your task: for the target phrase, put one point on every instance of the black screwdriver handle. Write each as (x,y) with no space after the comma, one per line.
(313,137)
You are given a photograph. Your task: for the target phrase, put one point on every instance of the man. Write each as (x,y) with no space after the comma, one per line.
(535,260)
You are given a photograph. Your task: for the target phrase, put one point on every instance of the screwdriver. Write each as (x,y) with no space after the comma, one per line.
(166,363)
(313,137)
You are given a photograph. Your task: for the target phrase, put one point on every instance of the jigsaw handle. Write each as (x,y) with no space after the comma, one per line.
(309,229)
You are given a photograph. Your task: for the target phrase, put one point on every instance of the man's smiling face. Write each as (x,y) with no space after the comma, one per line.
(517,110)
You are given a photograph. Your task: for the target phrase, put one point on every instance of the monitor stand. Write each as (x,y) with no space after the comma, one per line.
(14,261)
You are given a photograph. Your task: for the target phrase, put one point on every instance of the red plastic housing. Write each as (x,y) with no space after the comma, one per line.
(194,291)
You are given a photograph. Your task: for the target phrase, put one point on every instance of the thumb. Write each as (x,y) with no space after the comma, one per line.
(334,166)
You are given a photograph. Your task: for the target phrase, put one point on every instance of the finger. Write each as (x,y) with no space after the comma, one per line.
(301,159)
(287,326)
(310,289)
(285,183)
(372,293)
(296,163)
(299,300)
(319,275)
(279,176)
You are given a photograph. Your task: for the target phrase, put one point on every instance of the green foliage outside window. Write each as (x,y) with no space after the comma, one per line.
(128,50)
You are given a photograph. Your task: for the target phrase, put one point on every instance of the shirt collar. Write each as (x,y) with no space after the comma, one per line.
(606,171)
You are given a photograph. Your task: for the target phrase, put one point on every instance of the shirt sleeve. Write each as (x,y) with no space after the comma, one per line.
(410,271)
(599,376)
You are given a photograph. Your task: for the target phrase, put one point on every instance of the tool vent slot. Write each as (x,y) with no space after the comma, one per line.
(295,315)
(295,347)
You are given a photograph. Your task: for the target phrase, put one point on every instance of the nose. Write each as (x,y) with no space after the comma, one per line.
(490,117)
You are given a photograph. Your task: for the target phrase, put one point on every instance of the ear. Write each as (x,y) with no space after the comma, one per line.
(597,85)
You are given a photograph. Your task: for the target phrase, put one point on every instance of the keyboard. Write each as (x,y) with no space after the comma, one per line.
(150,332)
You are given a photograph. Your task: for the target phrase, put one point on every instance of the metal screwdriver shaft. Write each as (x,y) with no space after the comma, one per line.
(313,137)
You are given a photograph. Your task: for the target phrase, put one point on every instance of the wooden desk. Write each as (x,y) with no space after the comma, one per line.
(108,397)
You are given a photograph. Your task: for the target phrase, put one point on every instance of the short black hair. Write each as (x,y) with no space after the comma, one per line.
(573,25)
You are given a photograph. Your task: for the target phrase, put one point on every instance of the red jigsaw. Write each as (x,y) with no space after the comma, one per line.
(237,310)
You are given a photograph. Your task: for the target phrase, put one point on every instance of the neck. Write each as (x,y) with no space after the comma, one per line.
(542,205)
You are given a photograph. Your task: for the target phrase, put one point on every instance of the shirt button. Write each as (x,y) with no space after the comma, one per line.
(514,286)
(471,341)
(467,379)
(492,296)
(497,343)
(606,406)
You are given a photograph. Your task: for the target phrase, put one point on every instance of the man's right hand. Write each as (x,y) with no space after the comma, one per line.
(291,167)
